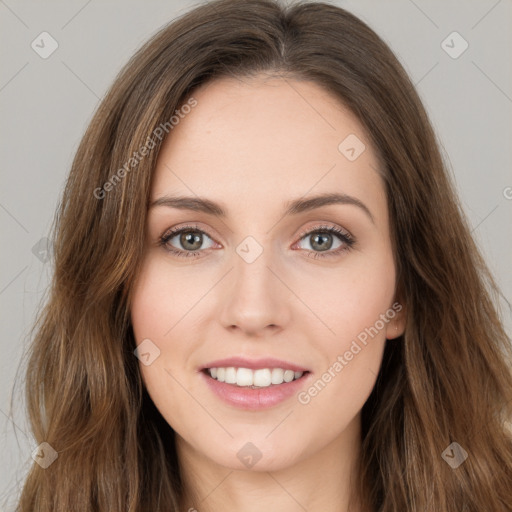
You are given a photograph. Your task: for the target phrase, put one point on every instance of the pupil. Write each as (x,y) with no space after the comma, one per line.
(323,238)
(189,237)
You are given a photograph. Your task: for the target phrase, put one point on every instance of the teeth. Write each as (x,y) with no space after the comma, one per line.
(246,377)
(262,378)
(277,376)
(230,375)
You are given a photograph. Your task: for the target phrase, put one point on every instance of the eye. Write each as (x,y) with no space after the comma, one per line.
(190,238)
(322,241)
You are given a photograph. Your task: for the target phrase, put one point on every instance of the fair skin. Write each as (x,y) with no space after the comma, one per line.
(252,145)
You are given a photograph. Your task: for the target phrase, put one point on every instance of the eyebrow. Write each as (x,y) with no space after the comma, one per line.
(292,207)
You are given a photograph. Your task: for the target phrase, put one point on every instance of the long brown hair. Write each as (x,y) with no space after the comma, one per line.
(446,380)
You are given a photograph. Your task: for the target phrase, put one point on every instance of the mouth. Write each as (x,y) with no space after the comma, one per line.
(254,384)
(254,378)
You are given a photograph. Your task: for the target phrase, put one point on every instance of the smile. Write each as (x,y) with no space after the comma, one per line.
(260,378)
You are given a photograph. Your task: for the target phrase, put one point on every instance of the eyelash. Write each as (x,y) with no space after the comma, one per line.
(347,239)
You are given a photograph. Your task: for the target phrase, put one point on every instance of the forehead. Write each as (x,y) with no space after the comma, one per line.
(265,140)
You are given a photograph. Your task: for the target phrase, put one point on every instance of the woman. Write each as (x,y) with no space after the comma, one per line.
(266,294)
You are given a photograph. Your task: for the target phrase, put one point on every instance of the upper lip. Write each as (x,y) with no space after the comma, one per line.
(254,364)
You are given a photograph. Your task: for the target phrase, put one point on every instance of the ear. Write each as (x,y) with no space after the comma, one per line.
(396,325)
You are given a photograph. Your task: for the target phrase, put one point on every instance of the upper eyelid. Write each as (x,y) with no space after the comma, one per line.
(172,232)
(324,227)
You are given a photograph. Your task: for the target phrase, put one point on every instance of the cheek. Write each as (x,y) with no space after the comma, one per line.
(369,294)
(351,358)
(351,298)
(160,297)
(151,306)
(149,310)
(354,305)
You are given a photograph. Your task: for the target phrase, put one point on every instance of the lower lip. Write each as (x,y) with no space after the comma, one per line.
(254,399)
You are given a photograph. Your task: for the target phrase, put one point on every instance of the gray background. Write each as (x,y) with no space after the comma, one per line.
(46,104)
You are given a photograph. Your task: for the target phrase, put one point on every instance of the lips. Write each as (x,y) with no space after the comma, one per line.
(254,364)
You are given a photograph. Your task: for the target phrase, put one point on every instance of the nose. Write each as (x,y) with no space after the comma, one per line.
(256,302)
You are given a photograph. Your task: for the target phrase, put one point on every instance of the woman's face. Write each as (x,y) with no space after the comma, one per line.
(264,291)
